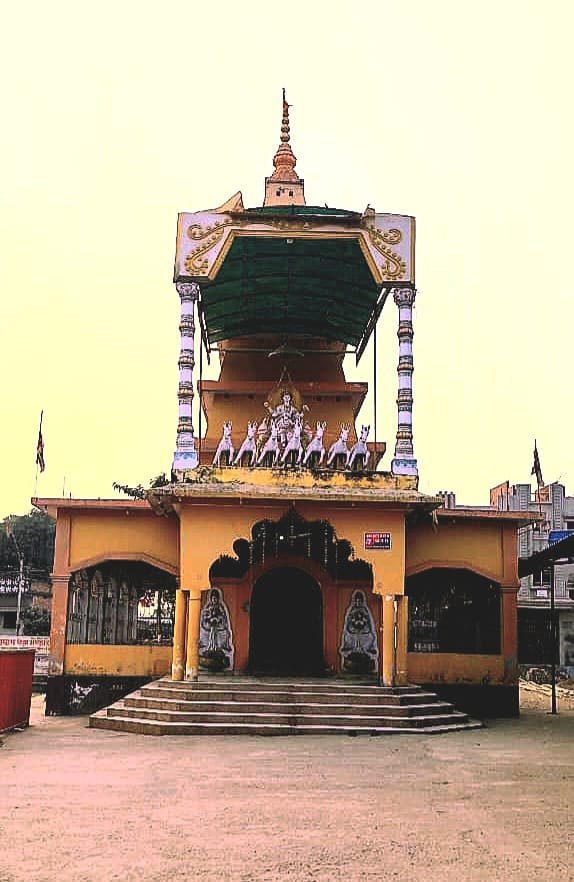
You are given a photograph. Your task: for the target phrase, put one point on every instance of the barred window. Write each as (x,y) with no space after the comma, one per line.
(453,610)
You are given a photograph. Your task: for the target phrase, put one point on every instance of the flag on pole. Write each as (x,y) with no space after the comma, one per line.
(536,469)
(40,447)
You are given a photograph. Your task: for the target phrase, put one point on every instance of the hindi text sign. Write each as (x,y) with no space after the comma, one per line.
(378,541)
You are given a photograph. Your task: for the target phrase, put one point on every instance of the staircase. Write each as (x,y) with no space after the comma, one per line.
(230,705)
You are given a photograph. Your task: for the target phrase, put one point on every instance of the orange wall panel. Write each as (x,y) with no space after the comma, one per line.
(94,659)
(451,667)
(100,534)
(210,530)
(477,545)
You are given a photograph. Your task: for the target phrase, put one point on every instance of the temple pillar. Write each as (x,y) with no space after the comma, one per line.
(58,623)
(402,636)
(186,456)
(192,653)
(388,661)
(178,656)
(60,582)
(404,462)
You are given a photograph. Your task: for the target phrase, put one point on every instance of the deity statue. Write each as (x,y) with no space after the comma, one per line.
(285,415)
(215,640)
(359,650)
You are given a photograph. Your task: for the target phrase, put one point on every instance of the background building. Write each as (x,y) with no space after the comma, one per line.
(555,520)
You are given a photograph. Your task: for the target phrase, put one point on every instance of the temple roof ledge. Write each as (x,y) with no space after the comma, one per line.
(244,484)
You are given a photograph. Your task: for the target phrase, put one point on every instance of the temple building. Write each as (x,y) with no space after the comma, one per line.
(287,542)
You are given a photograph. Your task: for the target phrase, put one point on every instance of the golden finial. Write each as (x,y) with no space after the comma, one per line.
(284,186)
(284,160)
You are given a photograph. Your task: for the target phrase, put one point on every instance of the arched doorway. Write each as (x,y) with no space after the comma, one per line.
(286,624)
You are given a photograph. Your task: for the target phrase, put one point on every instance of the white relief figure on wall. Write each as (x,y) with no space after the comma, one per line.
(359,648)
(215,638)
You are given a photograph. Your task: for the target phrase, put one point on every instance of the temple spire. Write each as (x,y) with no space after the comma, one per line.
(284,186)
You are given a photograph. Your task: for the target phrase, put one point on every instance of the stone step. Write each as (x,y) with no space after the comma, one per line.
(292,706)
(249,684)
(285,718)
(142,726)
(230,705)
(303,694)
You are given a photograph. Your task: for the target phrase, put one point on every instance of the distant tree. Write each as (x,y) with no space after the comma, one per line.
(139,491)
(35,622)
(34,533)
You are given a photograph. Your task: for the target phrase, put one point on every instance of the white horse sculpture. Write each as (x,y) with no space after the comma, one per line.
(224,446)
(360,449)
(248,445)
(271,446)
(294,443)
(339,448)
(316,445)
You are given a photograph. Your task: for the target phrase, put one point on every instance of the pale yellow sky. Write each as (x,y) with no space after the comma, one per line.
(117,115)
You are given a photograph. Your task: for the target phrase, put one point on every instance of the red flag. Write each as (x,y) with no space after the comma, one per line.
(40,447)
(536,469)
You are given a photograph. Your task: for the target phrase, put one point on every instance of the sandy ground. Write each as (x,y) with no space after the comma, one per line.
(492,804)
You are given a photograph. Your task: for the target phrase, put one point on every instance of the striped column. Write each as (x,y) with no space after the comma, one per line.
(404,462)
(186,456)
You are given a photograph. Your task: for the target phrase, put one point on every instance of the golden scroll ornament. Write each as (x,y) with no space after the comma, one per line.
(195,263)
(393,267)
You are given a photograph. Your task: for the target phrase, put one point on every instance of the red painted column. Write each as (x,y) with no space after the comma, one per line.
(330,626)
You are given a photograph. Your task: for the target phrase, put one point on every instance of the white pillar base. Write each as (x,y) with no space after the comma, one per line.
(405,466)
(184,460)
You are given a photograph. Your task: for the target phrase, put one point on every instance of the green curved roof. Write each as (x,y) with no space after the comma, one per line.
(315,287)
(303,211)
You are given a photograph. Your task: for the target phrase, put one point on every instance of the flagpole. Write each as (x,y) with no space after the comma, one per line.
(536,470)
(40,441)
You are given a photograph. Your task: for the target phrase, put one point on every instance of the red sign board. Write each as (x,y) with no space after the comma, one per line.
(380,541)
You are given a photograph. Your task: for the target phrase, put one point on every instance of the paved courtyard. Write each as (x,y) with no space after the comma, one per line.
(493,804)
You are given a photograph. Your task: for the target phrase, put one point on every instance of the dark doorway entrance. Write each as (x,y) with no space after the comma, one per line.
(286,624)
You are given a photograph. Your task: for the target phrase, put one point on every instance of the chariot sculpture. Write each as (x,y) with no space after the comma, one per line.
(284,438)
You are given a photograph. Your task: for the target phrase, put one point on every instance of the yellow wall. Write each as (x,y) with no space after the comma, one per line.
(208,530)
(451,667)
(121,661)
(108,534)
(477,545)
